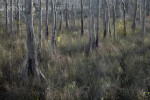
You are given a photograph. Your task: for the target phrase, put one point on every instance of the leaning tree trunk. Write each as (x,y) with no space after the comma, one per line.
(114,17)
(32,71)
(124,17)
(40,28)
(46,20)
(82,31)
(134,18)
(98,22)
(90,20)
(6,16)
(144,16)
(11,17)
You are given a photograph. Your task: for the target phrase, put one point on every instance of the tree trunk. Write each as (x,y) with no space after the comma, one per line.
(124,17)
(53,24)
(6,16)
(74,15)
(67,15)
(46,20)
(31,71)
(11,17)
(40,27)
(93,27)
(114,17)
(18,16)
(82,31)
(134,18)
(104,19)
(144,16)
(140,9)
(98,22)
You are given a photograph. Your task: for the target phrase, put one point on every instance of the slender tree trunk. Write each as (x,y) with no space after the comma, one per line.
(53,24)
(124,16)
(46,20)
(144,16)
(31,71)
(109,24)
(93,27)
(6,16)
(98,22)
(18,16)
(74,15)
(140,9)
(104,19)
(114,17)
(40,27)
(134,18)
(11,17)
(82,31)
(67,15)
(90,20)
(61,19)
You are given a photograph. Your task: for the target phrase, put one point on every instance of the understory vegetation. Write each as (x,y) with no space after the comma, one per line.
(118,70)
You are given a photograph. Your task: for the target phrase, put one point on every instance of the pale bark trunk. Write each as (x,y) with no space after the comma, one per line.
(134,18)
(31,71)
(82,31)
(40,27)
(144,16)
(11,17)
(46,20)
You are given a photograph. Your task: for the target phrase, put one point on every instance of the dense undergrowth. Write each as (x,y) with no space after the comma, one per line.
(118,70)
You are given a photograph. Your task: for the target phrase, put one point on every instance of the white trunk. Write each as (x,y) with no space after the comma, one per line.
(114,17)
(18,16)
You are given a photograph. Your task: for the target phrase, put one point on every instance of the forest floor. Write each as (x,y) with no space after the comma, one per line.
(119,69)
